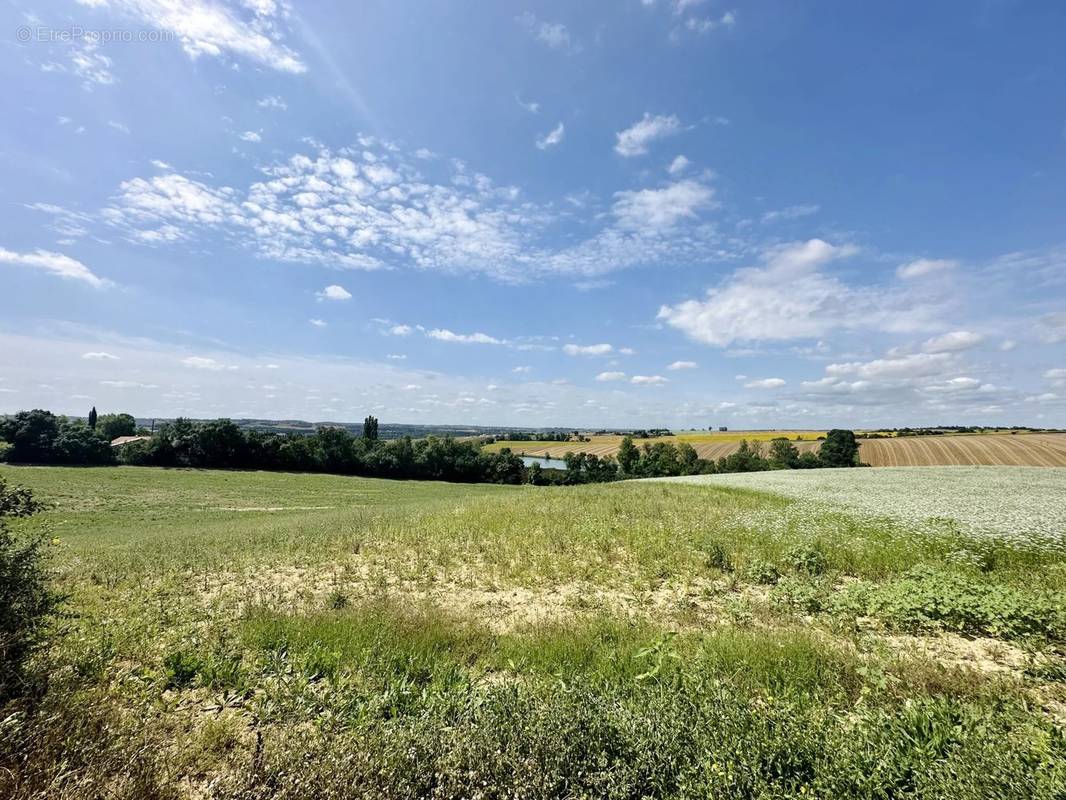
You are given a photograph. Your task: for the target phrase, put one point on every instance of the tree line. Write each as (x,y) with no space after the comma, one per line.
(43,438)
(665,459)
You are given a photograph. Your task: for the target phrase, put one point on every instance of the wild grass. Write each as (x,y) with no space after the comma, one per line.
(253,635)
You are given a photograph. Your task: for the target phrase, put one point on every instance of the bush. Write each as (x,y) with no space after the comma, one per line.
(807,558)
(27,604)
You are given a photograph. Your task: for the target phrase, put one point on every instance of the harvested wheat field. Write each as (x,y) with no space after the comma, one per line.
(1021,450)
(985,449)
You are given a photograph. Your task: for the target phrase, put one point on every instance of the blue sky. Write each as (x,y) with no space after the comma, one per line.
(635,213)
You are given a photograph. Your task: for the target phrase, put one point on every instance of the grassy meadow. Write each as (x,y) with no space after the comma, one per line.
(262,635)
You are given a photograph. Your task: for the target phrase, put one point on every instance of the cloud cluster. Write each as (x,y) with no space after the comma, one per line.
(370,207)
(791,296)
(250,30)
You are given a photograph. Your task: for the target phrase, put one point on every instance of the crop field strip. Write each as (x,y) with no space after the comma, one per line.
(991,449)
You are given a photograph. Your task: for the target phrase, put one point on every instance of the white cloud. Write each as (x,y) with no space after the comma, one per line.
(587,350)
(118,126)
(605,377)
(99,356)
(55,263)
(396,357)
(634,140)
(552,138)
(445,335)
(790,213)
(329,210)
(553,34)
(334,292)
(209,28)
(925,266)
(648,380)
(1056,376)
(903,367)
(707,24)
(678,165)
(318,323)
(522,370)
(202,362)
(789,297)
(400,330)
(532,107)
(251,136)
(273,102)
(683,365)
(657,210)
(952,342)
(765,383)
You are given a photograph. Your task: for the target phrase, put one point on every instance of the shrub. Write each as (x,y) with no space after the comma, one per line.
(762,572)
(717,557)
(28,606)
(807,558)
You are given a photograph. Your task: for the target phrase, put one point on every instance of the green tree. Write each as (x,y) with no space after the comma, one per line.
(628,456)
(839,449)
(92,418)
(115,425)
(370,429)
(783,454)
(31,434)
(28,606)
(688,459)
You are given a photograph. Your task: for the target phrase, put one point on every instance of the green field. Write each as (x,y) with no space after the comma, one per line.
(261,635)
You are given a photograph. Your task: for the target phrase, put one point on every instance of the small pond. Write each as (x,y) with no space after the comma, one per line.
(546,463)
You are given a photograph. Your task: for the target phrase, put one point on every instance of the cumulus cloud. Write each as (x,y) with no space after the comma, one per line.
(445,335)
(99,356)
(790,296)
(552,138)
(588,350)
(53,263)
(925,266)
(251,136)
(202,362)
(952,342)
(522,370)
(683,365)
(207,28)
(678,165)
(400,330)
(657,210)
(634,140)
(318,323)
(607,377)
(765,383)
(334,292)
(902,367)
(648,380)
